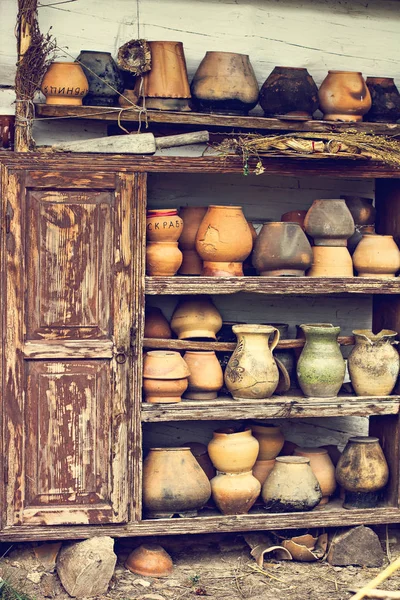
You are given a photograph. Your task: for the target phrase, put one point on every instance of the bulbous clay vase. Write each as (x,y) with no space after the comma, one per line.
(321,368)
(163,225)
(206,378)
(64,83)
(251,371)
(362,209)
(362,471)
(373,363)
(155,324)
(163,259)
(192,217)
(196,317)
(377,256)
(200,453)
(270,439)
(262,468)
(165,376)
(282,249)
(289,92)
(225,83)
(234,452)
(223,241)
(323,469)
(235,493)
(331,261)
(165,493)
(291,486)
(295,216)
(329,223)
(104,77)
(150,560)
(385,100)
(344,96)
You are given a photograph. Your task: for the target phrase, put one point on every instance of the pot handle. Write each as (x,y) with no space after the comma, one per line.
(275,340)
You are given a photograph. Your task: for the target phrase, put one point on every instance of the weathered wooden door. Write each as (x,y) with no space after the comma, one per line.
(69,297)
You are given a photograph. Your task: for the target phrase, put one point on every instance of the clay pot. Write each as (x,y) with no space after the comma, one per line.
(196,317)
(262,468)
(373,363)
(362,471)
(163,225)
(329,223)
(104,77)
(156,325)
(377,256)
(291,486)
(163,259)
(321,368)
(7,132)
(282,249)
(192,217)
(251,371)
(295,216)
(206,378)
(331,261)
(344,96)
(359,232)
(64,83)
(165,493)
(223,241)
(165,376)
(233,452)
(289,93)
(200,453)
(235,493)
(362,209)
(385,100)
(323,469)
(150,560)
(225,83)
(270,439)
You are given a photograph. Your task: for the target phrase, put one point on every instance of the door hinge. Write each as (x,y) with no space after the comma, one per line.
(133,336)
(8,223)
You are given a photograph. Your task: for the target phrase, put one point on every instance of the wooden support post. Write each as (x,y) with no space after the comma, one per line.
(23,108)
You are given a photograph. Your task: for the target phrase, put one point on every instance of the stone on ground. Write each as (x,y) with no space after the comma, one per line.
(356,546)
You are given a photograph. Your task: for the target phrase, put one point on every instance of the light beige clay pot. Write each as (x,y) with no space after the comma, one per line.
(235,493)
(377,256)
(270,438)
(163,259)
(165,376)
(323,469)
(344,96)
(206,377)
(196,317)
(163,225)
(330,261)
(234,452)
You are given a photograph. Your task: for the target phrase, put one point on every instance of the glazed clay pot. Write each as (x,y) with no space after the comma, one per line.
(104,77)
(291,486)
(149,560)
(192,217)
(362,471)
(262,468)
(235,493)
(165,493)
(385,100)
(163,259)
(270,439)
(163,225)
(362,209)
(344,96)
(200,453)
(377,256)
(373,363)
(289,93)
(196,317)
(165,376)
(155,324)
(225,83)
(224,240)
(329,223)
(321,368)
(323,469)
(295,216)
(331,261)
(64,83)
(251,371)
(206,378)
(234,452)
(282,249)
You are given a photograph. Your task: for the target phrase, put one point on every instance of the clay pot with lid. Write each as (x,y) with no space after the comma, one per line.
(235,493)
(155,324)
(323,469)
(377,256)
(329,222)
(196,317)
(289,93)
(163,225)
(163,259)
(233,452)
(64,83)
(331,261)
(270,439)
(385,100)
(192,217)
(344,96)
(282,250)
(165,376)
(150,560)
(206,378)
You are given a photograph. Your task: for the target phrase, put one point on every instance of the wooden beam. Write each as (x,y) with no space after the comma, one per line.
(160,344)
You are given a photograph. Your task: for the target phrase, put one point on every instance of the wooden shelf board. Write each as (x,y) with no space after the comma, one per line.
(160,344)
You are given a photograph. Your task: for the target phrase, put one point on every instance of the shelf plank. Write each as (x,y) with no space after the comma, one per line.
(160,344)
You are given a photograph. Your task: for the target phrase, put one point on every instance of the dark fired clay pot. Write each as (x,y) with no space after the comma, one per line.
(282,249)
(289,93)
(385,100)
(101,72)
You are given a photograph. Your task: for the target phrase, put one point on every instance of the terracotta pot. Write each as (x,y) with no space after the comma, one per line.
(165,494)
(164,391)
(385,100)
(7,132)
(334,453)
(206,378)
(344,96)
(104,78)
(321,368)
(235,493)
(150,560)
(270,439)
(192,217)
(225,83)
(373,363)
(329,223)
(165,376)
(223,241)
(64,83)
(251,371)
(323,469)
(330,261)
(234,452)
(156,325)
(282,249)
(362,471)
(362,209)
(196,317)
(163,259)
(163,225)
(377,256)
(262,468)
(289,93)
(295,216)
(200,453)
(291,486)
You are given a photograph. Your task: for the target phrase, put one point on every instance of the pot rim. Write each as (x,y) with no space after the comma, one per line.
(377,235)
(222,52)
(327,326)
(162,211)
(290,68)
(223,206)
(170,449)
(160,353)
(253,328)
(293,460)
(363,439)
(196,352)
(315,451)
(282,223)
(61,62)
(95,52)
(344,72)
(369,334)
(246,432)
(379,77)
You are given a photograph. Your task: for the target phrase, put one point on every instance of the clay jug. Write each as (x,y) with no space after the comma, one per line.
(165,493)
(165,376)
(224,241)
(270,439)
(321,368)
(206,378)
(235,493)
(200,453)
(282,249)
(344,96)
(329,222)
(362,471)
(385,100)
(196,317)
(192,217)
(331,261)
(163,259)
(291,486)
(64,83)
(377,256)
(155,324)
(233,452)
(289,93)
(374,363)
(251,371)
(323,469)
(262,468)
(163,225)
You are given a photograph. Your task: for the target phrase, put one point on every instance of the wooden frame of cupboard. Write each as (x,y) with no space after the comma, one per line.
(50,190)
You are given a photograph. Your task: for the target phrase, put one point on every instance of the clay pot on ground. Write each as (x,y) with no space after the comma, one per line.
(155,324)
(374,362)
(64,83)
(344,96)
(206,377)
(163,259)
(291,486)
(385,100)
(294,216)
(150,560)
(200,453)
(192,217)
(225,83)
(164,493)
(323,469)
(163,225)
(104,77)
(262,468)
(196,317)
(234,452)
(223,241)
(289,93)
(270,439)
(329,222)
(165,376)
(377,256)
(282,249)
(362,471)
(235,493)
(330,261)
